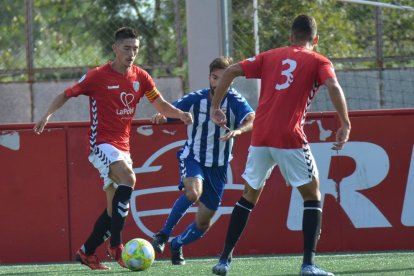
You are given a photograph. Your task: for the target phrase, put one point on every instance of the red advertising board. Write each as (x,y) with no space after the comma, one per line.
(50,195)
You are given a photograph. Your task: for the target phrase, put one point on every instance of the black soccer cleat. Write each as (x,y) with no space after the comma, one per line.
(158,242)
(177,257)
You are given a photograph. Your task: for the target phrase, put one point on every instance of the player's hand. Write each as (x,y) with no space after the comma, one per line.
(342,136)
(40,126)
(230,134)
(186,117)
(219,118)
(158,119)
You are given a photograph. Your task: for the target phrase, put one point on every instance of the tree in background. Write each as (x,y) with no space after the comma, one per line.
(77,34)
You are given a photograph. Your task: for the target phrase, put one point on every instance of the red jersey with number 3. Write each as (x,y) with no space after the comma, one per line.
(113,98)
(290,77)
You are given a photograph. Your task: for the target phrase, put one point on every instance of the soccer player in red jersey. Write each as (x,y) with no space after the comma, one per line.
(290,77)
(114,90)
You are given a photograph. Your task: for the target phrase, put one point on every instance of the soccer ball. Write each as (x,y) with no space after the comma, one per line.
(138,254)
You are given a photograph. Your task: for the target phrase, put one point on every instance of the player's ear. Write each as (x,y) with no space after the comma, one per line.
(315,40)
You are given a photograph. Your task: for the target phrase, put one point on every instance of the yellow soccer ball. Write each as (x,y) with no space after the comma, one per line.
(138,254)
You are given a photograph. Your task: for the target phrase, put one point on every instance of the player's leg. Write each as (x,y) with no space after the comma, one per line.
(192,233)
(311,226)
(101,231)
(299,169)
(122,174)
(193,188)
(312,219)
(209,201)
(255,176)
(238,221)
(191,177)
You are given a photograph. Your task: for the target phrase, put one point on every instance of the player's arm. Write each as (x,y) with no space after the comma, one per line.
(338,100)
(168,110)
(217,115)
(57,103)
(245,126)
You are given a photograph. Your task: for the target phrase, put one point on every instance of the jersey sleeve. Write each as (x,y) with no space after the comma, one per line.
(81,87)
(252,67)
(184,104)
(148,86)
(325,70)
(239,106)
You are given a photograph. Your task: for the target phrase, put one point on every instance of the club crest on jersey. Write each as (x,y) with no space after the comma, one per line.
(135,85)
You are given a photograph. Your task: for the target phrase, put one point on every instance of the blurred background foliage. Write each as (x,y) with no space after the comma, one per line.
(63,37)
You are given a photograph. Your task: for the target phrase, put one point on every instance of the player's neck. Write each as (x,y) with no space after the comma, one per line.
(118,67)
(306,45)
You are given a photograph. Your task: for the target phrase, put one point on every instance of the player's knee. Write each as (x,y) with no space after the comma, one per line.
(311,190)
(251,195)
(129,179)
(192,195)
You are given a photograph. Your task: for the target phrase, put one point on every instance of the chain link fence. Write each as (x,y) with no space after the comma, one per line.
(61,39)
(370,46)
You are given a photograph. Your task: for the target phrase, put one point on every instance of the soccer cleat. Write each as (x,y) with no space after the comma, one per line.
(116,254)
(222,267)
(308,269)
(158,242)
(90,261)
(177,257)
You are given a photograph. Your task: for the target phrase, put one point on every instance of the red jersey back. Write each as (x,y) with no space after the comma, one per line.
(113,98)
(290,77)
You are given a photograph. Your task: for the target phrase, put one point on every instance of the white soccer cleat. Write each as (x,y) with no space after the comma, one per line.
(308,269)
(221,268)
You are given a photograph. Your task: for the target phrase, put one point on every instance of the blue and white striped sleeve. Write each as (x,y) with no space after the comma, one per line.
(239,105)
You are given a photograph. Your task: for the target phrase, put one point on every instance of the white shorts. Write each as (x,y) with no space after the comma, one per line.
(296,165)
(103,156)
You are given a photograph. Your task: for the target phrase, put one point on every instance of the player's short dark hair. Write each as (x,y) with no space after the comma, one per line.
(220,63)
(304,28)
(124,33)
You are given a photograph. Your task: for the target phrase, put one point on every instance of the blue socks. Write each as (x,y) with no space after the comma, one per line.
(190,234)
(180,207)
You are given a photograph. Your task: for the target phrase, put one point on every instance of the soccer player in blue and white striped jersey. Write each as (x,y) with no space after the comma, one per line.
(203,159)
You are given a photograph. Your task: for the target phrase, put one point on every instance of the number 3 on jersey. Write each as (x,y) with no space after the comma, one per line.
(287,73)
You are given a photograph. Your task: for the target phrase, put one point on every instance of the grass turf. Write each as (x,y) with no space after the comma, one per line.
(366,264)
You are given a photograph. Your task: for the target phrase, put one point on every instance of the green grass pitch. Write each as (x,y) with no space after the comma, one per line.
(366,264)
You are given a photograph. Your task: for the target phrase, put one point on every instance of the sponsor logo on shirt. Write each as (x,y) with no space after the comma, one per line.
(126,99)
(113,87)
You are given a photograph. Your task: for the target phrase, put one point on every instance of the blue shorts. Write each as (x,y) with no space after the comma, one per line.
(214,179)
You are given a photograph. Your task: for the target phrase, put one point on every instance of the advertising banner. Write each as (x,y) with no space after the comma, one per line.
(50,194)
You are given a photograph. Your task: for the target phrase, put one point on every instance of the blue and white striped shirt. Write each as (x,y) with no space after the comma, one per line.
(203,135)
